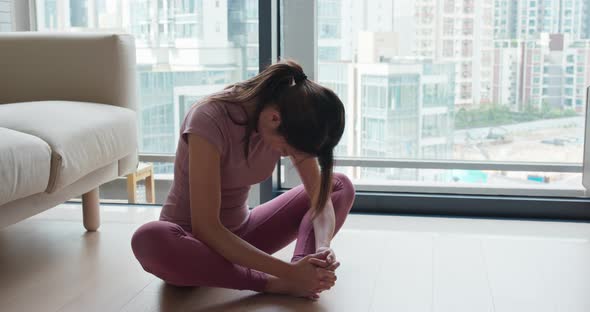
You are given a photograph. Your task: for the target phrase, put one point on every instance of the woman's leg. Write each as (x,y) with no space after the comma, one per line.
(275,224)
(166,250)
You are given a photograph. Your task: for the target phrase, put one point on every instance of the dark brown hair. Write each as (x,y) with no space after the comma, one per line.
(312,116)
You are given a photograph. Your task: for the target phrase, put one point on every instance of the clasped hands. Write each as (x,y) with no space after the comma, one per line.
(316,272)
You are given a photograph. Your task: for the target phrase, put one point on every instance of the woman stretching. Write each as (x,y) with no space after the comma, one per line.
(207,236)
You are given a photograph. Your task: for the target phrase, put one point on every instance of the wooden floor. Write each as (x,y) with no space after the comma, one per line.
(389,263)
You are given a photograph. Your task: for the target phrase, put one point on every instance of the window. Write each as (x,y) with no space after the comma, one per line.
(418,100)
(459,111)
(78,13)
(448,48)
(374,129)
(329,22)
(5,16)
(449,25)
(449,6)
(329,30)
(329,53)
(434,125)
(169,82)
(468,27)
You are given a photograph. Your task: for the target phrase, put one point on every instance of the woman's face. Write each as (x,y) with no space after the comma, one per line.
(268,123)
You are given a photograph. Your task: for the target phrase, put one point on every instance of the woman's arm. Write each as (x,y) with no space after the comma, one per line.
(324,225)
(325,222)
(205,201)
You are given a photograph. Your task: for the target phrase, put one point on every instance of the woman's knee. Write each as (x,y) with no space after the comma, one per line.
(140,240)
(149,238)
(343,185)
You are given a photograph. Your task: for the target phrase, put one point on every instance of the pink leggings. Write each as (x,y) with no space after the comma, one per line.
(169,252)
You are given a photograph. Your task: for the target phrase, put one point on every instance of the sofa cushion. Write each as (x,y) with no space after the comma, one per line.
(82,136)
(24,165)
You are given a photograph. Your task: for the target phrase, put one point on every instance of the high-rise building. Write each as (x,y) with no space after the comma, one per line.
(518,73)
(398,105)
(585,20)
(528,19)
(551,71)
(540,54)
(403,107)
(461,32)
(405,111)
(243,32)
(341,21)
(330,31)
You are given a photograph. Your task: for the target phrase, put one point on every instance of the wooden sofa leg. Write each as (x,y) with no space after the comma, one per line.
(90,210)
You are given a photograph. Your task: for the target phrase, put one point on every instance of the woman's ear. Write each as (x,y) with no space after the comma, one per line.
(275,118)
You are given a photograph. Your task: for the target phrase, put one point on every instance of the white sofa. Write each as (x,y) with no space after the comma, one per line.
(67,120)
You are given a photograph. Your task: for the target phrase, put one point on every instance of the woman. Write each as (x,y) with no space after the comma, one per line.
(207,236)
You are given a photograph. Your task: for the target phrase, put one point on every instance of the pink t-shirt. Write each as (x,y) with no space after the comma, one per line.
(209,120)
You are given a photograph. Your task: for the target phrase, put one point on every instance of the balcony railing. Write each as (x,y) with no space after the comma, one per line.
(426,187)
(423,164)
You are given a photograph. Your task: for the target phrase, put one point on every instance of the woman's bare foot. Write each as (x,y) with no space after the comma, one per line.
(276,285)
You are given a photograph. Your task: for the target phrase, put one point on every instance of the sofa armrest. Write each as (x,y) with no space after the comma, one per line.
(84,67)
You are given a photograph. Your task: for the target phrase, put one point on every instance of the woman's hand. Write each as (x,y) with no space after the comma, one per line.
(309,279)
(329,262)
(325,258)
(331,256)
